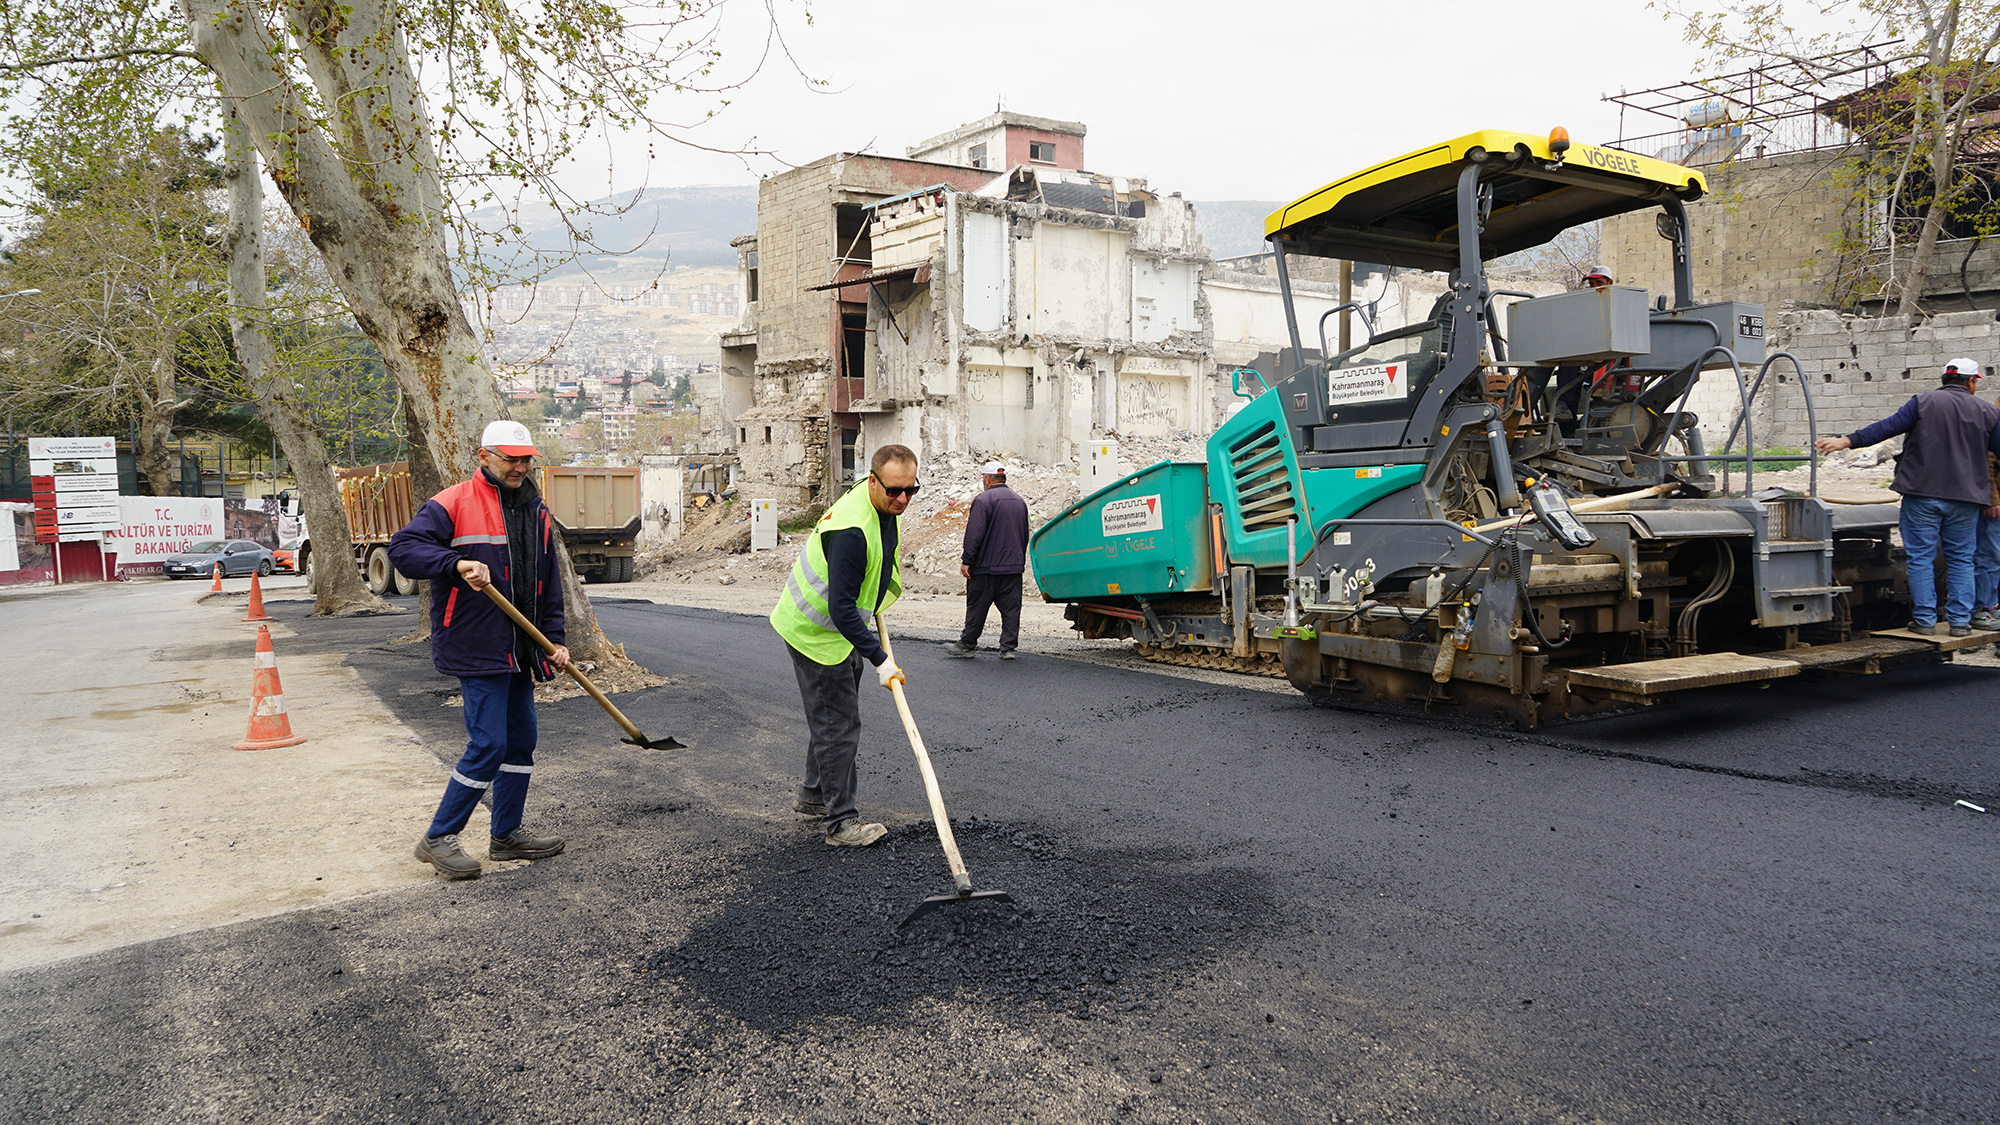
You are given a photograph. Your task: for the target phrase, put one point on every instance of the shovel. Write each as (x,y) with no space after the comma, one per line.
(961,880)
(637,738)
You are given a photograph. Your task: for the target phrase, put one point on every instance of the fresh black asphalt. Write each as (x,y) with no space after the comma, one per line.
(1760,907)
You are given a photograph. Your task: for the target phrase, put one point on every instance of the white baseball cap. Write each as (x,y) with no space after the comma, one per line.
(1966,367)
(509,438)
(993,469)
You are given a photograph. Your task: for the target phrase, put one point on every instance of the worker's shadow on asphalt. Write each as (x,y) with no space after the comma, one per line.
(1091,934)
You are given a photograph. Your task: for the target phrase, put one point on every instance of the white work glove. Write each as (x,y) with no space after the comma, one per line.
(889,673)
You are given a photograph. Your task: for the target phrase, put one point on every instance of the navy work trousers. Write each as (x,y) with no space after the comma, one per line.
(832,695)
(984,591)
(499,753)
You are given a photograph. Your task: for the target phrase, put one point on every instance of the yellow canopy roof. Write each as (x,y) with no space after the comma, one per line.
(1404,212)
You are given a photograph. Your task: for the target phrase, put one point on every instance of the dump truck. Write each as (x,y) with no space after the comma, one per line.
(595,510)
(1488,514)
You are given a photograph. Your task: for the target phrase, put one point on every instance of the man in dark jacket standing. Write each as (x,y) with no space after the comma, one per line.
(490,530)
(996,552)
(1942,476)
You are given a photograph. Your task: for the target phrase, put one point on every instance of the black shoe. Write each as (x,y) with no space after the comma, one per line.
(1923,630)
(1961,630)
(519,845)
(443,853)
(1007,654)
(960,650)
(808,808)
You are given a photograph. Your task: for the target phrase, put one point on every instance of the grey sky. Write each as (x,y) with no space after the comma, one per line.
(1215,100)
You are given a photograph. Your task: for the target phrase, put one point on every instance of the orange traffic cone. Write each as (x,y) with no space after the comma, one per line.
(270,729)
(256,601)
(215,587)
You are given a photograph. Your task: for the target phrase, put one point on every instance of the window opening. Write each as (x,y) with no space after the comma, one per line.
(850,441)
(976,156)
(1042,152)
(851,234)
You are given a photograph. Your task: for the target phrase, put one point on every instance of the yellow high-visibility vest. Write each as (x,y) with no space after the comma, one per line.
(803,615)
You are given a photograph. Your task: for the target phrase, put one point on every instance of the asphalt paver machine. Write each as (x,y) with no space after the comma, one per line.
(1495,511)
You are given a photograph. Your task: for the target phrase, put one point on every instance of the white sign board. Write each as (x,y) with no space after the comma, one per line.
(71,448)
(87,482)
(82,474)
(151,527)
(1382,382)
(1132,515)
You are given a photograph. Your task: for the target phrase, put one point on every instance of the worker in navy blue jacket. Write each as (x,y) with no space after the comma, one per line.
(995,555)
(490,530)
(1942,476)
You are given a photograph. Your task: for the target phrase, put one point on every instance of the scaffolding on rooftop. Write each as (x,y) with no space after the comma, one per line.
(1801,105)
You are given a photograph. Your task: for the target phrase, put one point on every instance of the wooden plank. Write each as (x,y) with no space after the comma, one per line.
(1942,641)
(1681,673)
(1854,651)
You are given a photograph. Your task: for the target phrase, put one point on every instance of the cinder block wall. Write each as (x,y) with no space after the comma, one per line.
(1860,369)
(794,243)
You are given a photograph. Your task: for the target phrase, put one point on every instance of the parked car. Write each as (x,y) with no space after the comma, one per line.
(237,556)
(286,557)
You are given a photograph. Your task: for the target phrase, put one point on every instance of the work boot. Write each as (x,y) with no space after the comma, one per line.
(443,853)
(959,649)
(519,845)
(1986,621)
(851,833)
(1922,630)
(1961,630)
(808,808)
(1006,654)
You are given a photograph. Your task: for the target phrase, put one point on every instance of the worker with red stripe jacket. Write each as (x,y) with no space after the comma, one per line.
(490,529)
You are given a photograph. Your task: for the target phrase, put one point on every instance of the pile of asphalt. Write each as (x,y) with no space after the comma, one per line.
(1090,932)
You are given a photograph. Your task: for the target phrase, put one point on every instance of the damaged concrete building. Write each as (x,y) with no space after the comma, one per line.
(955,304)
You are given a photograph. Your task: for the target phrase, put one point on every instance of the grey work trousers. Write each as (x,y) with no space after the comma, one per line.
(832,695)
(984,592)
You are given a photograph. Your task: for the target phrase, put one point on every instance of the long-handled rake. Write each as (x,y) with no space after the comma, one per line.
(961,880)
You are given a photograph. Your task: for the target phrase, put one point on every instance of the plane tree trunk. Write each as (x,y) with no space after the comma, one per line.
(337,585)
(365,189)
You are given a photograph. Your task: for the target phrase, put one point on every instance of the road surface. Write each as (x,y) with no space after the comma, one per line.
(1760,907)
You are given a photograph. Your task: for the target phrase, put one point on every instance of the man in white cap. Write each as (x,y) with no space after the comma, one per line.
(1942,475)
(490,530)
(996,552)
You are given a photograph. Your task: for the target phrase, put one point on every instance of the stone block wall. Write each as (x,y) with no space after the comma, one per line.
(1860,369)
(1764,233)
(794,244)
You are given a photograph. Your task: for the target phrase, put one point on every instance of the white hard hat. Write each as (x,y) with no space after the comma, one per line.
(1966,367)
(993,469)
(508,437)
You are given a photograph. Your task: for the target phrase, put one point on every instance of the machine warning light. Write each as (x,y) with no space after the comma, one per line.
(1559,141)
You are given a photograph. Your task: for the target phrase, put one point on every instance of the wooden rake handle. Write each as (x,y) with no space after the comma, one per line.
(961,880)
(549,646)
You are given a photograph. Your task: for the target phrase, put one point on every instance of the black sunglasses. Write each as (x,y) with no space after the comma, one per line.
(910,490)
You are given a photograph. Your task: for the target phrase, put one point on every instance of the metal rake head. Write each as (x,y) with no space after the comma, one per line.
(934,902)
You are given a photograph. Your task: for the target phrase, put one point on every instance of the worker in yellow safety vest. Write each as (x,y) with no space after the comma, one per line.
(845,575)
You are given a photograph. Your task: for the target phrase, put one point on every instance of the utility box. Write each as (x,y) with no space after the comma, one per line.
(763,525)
(1680,335)
(1581,327)
(1100,466)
